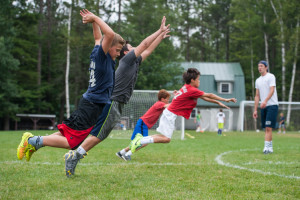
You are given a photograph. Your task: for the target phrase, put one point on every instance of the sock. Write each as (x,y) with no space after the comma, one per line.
(147,140)
(36,141)
(220,131)
(123,152)
(81,150)
(271,144)
(267,143)
(129,153)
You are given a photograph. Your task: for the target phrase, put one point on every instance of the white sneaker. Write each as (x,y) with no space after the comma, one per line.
(270,149)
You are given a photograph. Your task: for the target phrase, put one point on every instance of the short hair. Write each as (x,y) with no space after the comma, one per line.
(117,40)
(122,52)
(191,73)
(163,94)
(221,110)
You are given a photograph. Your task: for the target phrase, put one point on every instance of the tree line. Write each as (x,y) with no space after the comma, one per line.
(38,38)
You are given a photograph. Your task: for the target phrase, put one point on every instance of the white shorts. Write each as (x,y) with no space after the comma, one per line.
(167,123)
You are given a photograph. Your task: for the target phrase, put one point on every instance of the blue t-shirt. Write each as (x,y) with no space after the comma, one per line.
(102,79)
(282,119)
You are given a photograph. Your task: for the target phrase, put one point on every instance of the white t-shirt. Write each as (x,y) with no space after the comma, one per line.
(220,117)
(263,84)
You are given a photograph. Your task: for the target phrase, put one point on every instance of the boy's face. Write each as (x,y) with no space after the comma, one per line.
(196,83)
(114,51)
(165,100)
(281,114)
(262,69)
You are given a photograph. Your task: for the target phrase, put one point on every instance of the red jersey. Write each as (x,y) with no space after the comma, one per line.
(152,115)
(185,100)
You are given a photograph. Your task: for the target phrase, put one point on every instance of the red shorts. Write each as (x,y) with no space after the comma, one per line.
(74,137)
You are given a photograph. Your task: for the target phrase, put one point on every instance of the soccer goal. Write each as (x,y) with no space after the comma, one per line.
(139,103)
(290,110)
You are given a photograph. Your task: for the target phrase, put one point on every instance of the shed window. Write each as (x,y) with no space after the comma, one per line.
(225,88)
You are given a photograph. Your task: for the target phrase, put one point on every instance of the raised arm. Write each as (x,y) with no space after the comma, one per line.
(154,44)
(97,33)
(89,17)
(148,41)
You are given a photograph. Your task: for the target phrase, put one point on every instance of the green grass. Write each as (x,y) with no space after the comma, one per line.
(180,170)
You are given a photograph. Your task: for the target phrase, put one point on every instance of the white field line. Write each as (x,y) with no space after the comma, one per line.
(100,163)
(221,162)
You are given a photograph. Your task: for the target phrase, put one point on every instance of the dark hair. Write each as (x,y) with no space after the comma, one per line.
(163,94)
(191,73)
(264,63)
(124,48)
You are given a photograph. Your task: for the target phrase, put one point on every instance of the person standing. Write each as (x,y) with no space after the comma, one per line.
(198,120)
(266,92)
(282,123)
(221,121)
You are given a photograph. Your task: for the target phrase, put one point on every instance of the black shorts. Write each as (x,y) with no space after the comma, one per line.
(85,116)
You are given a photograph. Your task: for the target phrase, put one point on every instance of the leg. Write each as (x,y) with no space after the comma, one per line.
(90,142)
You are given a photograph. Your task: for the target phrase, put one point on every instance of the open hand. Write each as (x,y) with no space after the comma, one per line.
(231,100)
(163,26)
(87,16)
(222,105)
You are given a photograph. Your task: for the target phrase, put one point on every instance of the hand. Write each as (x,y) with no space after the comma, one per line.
(263,105)
(163,26)
(87,16)
(222,105)
(231,100)
(165,34)
(255,114)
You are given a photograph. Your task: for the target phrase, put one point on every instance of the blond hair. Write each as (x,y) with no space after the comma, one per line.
(118,40)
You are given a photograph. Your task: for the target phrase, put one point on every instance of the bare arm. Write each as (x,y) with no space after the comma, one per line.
(256,101)
(154,44)
(215,97)
(148,41)
(97,33)
(264,103)
(214,101)
(89,17)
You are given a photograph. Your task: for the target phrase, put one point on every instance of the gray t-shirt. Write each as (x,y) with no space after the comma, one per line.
(125,77)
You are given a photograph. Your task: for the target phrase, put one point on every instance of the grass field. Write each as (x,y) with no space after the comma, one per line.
(206,167)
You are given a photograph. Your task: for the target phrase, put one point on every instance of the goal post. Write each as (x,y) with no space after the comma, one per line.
(246,121)
(139,103)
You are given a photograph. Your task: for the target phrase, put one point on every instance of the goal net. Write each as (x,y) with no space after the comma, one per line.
(290,110)
(139,103)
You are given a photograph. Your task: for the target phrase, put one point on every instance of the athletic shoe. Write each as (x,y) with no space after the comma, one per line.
(29,151)
(136,143)
(71,160)
(268,150)
(119,155)
(126,158)
(23,145)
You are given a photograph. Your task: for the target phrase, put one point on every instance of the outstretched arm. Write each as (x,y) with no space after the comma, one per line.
(214,101)
(154,44)
(215,97)
(148,41)
(89,17)
(97,33)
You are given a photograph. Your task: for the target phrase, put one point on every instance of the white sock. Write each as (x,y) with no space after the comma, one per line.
(129,153)
(81,150)
(271,144)
(147,140)
(267,143)
(123,152)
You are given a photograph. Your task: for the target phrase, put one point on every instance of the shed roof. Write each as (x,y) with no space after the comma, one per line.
(220,71)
